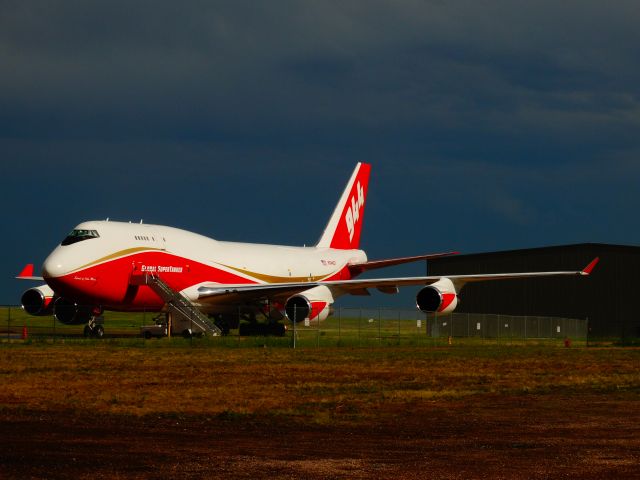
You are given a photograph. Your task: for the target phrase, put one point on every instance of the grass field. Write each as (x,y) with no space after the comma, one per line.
(460,411)
(347,327)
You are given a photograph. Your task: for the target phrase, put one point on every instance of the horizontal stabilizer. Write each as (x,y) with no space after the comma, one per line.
(358,268)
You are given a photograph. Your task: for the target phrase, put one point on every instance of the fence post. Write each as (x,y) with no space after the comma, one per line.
(295,318)
(318,329)
(8,322)
(379,329)
(468,332)
(426,324)
(587,332)
(575,329)
(451,326)
(239,340)
(435,320)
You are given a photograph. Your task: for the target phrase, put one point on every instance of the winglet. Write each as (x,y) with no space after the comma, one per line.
(587,270)
(27,273)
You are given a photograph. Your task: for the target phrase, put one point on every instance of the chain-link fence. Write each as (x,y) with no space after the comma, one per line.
(507,326)
(346,326)
(370,326)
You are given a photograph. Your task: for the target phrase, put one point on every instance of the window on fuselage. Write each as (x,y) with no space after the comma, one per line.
(79,235)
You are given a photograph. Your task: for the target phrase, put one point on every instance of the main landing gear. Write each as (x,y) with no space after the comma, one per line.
(245,320)
(94,328)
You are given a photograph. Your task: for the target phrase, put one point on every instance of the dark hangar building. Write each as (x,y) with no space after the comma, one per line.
(606,297)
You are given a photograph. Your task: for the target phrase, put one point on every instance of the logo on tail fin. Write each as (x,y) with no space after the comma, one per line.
(345,225)
(353,213)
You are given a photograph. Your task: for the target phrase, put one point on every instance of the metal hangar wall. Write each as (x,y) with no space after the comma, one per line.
(607,297)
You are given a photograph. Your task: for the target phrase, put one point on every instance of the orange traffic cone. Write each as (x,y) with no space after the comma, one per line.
(24,332)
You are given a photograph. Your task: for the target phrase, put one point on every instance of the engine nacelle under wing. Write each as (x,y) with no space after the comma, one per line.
(38,300)
(314,304)
(439,297)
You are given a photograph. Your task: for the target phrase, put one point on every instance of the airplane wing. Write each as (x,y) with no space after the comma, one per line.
(458,280)
(231,294)
(244,292)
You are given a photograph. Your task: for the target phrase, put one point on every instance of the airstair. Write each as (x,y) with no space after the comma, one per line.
(180,306)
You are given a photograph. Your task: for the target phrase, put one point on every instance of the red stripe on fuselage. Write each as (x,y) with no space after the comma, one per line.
(108,283)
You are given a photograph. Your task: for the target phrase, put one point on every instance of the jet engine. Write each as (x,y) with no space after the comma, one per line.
(70,313)
(439,297)
(38,300)
(315,303)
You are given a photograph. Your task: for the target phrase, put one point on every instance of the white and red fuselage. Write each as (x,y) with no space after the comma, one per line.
(98,269)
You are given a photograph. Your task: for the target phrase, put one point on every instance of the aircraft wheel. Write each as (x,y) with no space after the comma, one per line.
(186,334)
(147,335)
(88,331)
(98,331)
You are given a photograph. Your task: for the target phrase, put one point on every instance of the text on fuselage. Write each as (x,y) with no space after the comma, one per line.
(161,269)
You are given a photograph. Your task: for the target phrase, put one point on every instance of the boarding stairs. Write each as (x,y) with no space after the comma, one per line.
(179,305)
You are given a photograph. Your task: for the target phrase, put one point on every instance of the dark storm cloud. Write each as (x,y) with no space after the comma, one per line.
(130,68)
(479,117)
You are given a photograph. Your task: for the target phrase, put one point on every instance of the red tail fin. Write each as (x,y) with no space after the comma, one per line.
(345,225)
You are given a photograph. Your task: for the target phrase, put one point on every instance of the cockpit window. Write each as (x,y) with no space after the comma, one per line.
(79,235)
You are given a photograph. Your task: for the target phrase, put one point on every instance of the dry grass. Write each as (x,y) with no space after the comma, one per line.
(332,385)
(164,410)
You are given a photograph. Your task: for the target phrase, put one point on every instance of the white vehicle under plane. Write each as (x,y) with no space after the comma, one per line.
(212,284)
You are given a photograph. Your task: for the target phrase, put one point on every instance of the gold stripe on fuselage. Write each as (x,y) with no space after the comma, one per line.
(277,279)
(260,276)
(118,254)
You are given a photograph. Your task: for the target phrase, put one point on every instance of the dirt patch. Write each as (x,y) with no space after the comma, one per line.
(480,437)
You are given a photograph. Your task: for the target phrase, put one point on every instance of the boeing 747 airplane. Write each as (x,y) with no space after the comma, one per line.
(212,284)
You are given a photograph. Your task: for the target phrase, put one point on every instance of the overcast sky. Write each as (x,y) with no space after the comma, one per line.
(489,125)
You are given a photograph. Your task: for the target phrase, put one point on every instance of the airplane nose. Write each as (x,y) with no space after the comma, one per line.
(53,266)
